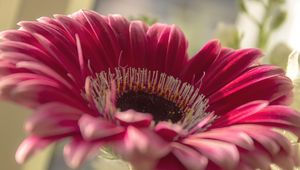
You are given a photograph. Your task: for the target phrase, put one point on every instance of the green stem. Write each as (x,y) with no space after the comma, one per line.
(264,34)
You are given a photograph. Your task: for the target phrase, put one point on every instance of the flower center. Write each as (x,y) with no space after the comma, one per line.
(165,97)
(160,108)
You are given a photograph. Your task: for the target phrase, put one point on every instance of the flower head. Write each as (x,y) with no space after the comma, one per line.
(106,81)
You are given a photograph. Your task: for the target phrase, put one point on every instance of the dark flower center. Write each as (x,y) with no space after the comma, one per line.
(166,97)
(160,108)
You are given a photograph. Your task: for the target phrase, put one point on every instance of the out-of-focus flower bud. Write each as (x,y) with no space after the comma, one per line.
(228,35)
(279,55)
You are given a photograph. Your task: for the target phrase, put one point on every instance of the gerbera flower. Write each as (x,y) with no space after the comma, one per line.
(104,81)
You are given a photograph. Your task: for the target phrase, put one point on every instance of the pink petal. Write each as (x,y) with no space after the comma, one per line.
(133,118)
(240,113)
(67,60)
(78,150)
(276,116)
(271,140)
(93,128)
(169,162)
(29,146)
(139,143)
(33,95)
(35,52)
(54,41)
(120,25)
(168,130)
(137,44)
(89,44)
(54,119)
(223,154)
(284,161)
(44,70)
(201,61)
(233,136)
(265,88)
(104,36)
(167,49)
(256,159)
(190,158)
(228,69)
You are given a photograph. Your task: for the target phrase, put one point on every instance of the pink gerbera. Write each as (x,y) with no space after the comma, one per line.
(104,81)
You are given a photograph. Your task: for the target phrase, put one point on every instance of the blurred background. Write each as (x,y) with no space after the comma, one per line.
(272,25)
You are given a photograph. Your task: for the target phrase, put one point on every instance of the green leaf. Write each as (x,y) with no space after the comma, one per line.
(242,6)
(278,19)
(277,1)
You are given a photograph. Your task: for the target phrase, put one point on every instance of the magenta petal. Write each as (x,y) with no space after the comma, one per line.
(140,143)
(229,68)
(61,120)
(190,158)
(167,48)
(133,118)
(284,162)
(168,131)
(137,45)
(35,52)
(44,70)
(277,116)
(229,135)
(271,140)
(196,66)
(256,159)
(105,37)
(169,162)
(78,150)
(93,128)
(29,146)
(241,112)
(223,154)
(267,88)
(89,45)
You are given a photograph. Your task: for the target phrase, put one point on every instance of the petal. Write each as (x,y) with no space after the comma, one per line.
(224,155)
(236,137)
(96,128)
(34,52)
(54,42)
(228,68)
(190,158)
(271,140)
(196,66)
(44,70)
(168,130)
(91,47)
(31,145)
(284,161)
(79,150)
(141,144)
(275,116)
(104,36)
(169,162)
(133,118)
(257,159)
(137,45)
(253,85)
(241,112)
(167,48)
(54,119)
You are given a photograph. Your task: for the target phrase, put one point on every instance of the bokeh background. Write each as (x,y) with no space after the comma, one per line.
(200,20)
